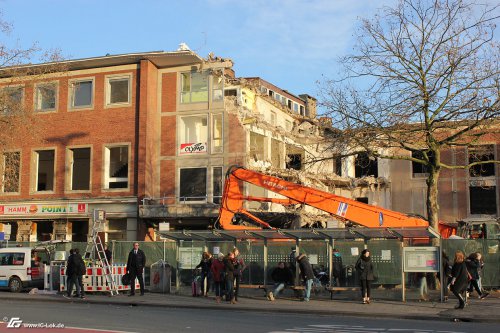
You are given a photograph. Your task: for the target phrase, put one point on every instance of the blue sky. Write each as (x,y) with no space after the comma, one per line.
(291,43)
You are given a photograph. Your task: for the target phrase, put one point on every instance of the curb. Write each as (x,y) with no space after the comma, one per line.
(451,317)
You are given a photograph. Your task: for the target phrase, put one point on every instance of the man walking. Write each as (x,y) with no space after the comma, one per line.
(135,267)
(307,274)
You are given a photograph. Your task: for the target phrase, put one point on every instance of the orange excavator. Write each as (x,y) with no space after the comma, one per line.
(233,216)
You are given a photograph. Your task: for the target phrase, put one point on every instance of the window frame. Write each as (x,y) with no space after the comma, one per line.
(71,94)
(36,163)
(107,88)
(220,149)
(105,175)
(2,189)
(181,134)
(21,87)
(182,92)
(213,196)
(36,105)
(206,185)
(70,170)
(470,150)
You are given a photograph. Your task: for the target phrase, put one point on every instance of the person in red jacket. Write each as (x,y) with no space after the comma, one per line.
(218,275)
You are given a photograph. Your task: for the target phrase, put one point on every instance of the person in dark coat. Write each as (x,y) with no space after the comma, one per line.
(459,279)
(239,267)
(205,263)
(473,264)
(218,275)
(337,267)
(109,254)
(365,270)
(72,278)
(446,276)
(307,274)
(229,270)
(281,276)
(135,267)
(80,269)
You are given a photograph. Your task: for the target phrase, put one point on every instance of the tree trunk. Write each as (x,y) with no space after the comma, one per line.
(432,197)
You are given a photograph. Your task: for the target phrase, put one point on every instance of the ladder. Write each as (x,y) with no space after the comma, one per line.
(96,250)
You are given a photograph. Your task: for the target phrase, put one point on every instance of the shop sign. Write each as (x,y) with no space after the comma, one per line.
(37,209)
(193,148)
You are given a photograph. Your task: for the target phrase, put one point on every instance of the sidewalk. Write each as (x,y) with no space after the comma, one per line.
(478,310)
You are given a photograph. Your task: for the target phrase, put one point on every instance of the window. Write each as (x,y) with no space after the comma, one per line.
(483,200)
(277,97)
(289,104)
(231,92)
(194,87)
(271,93)
(301,110)
(338,165)
(45,97)
(365,166)
(82,93)
(294,161)
(295,108)
(482,154)
(45,160)
(420,169)
(11,99)
(362,199)
(273,118)
(11,259)
(193,135)
(116,167)
(193,184)
(80,169)
(217,184)
(217,135)
(263,90)
(11,168)
(217,89)
(118,90)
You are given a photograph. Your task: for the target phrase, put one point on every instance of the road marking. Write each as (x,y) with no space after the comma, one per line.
(355,329)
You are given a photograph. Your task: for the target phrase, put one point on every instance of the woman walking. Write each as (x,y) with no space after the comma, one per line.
(364,267)
(459,280)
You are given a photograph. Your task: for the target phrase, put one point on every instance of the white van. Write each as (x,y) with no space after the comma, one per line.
(22,267)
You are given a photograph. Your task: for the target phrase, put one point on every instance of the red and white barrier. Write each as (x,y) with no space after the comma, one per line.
(95,279)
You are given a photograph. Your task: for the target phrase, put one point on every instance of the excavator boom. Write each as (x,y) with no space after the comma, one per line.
(343,208)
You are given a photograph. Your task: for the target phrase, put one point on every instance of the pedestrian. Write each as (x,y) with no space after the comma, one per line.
(337,267)
(135,267)
(239,267)
(459,279)
(219,276)
(446,276)
(480,270)
(109,254)
(281,276)
(71,275)
(307,274)
(474,266)
(366,275)
(205,263)
(229,272)
(80,269)
(424,291)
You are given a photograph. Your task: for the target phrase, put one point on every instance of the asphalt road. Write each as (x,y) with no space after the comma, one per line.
(157,319)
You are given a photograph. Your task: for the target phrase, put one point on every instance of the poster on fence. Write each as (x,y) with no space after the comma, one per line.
(421,259)
(189,257)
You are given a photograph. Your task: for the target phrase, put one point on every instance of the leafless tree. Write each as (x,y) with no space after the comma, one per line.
(17,119)
(423,78)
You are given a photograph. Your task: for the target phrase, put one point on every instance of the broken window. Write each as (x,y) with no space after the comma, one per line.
(193,135)
(194,87)
(362,199)
(256,146)
(289,104)
(271,93)
(217,184)
(365,166)
(217,142)
(80,169)
(116,160)
(45,160)
(193,184)
(11,99)
(481,154)
(294,161)
(338,166)
(46,97)
(82,93)
(483,200)
(420,169)
(217,89)
(231,92)
(11,167)
(118,90)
